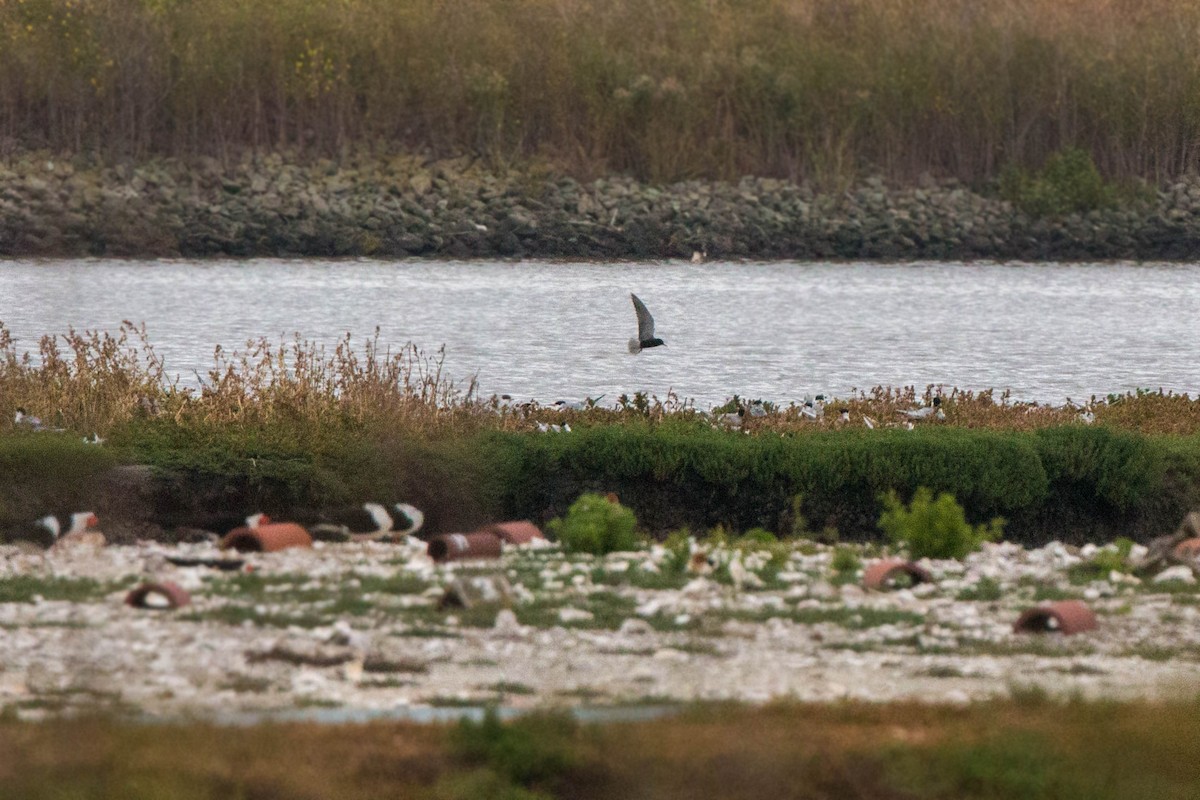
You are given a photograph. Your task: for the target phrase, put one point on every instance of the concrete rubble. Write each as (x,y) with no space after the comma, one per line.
(365,627)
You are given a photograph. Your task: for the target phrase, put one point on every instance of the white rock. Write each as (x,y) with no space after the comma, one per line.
(635,627)
(821,590)
(571,614)
(506,623)
(698,586)
(1179,572)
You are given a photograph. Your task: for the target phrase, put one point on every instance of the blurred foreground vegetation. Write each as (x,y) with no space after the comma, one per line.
(675,89)
(1027,748)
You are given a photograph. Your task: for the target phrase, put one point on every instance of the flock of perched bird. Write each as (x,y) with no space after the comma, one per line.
(367,521)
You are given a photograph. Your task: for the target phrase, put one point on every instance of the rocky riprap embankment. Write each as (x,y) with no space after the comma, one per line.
(358,627)
(410,206)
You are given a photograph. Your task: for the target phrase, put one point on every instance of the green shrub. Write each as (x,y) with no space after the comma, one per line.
(1113,558)
(1068,183)
(845,561)
(799,524)
(1097,466)
(932,528)
(596,525)
(759,536)
(679,544)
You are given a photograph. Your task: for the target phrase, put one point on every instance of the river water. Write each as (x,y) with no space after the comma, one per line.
(551,331)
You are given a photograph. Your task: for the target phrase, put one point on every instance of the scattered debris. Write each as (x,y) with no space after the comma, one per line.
(475,590)
(223,564)
(306,653)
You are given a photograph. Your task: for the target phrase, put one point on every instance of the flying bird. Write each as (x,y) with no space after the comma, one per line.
(645,337)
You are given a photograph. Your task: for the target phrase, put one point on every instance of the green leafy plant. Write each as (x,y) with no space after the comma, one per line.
(1111,558)
(594,524)
(1068,183)
(934,528)
(799,523)
(756,536)
(1114,557)
(845,561)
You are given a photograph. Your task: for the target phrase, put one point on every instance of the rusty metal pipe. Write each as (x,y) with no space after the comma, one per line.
(267,538)
(172,593)
(881,574)
(517,532)
(1065,617)
(457,546)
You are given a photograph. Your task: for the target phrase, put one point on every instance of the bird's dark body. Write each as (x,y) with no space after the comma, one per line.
(644,343)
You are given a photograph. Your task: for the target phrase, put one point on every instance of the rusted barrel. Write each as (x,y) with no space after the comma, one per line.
(883,575)
(163,594)
(456,546)
(518,532)
(267,538)
(1064,616)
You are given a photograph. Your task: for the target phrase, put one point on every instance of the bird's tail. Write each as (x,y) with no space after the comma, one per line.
(635,346)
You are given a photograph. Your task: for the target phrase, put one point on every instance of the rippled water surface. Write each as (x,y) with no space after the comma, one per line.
(551,331)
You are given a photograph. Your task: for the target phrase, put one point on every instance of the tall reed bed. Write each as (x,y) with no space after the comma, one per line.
(806,89)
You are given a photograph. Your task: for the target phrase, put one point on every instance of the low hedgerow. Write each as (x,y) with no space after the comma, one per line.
(1073,483)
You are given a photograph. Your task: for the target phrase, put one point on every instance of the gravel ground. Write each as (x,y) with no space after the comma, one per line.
(357,628)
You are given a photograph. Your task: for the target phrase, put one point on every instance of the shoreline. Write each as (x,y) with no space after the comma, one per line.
(410,206)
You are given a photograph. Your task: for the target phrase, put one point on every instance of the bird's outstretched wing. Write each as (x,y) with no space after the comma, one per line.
(645,321)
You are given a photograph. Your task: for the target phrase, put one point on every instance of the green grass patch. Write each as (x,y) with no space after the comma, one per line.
(24,588)
(985,590)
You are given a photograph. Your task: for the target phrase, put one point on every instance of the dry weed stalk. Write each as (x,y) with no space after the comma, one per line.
(94,382)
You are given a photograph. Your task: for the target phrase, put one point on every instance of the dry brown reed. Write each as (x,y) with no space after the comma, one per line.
(821,89)
(94,382)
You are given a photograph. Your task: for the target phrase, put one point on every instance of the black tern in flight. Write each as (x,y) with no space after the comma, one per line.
(645,337)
